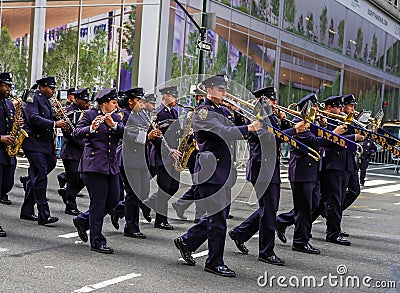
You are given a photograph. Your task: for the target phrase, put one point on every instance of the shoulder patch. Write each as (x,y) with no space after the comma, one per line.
(203,113)
(121,115)
(29,99)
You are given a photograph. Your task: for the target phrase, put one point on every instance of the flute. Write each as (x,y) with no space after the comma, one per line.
(101,120)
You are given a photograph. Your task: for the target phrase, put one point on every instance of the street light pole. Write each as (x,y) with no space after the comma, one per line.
(203,32)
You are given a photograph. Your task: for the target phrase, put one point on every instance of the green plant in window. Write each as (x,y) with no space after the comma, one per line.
(300,25)
(374,49)
(290,12)
(310,25)
(323,24)
(341,34)
(226,2)
(275,7)
(176,66)
(359,43)
(331,33)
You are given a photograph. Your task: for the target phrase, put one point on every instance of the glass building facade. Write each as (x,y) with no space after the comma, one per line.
(329,47)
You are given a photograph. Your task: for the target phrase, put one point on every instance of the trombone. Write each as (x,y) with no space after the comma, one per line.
(270,128)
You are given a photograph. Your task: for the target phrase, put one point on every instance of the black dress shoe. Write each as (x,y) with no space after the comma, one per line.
(47,221)
(103,249)
(164,226)
(223,271)
(185,252)
(273,260)
(280,232)
(239,244)
(339,240)
(81,230)
(307,248)
(114,220)
(29,217)
(72,211)
(2,232)
(229,217)
(146,212)
(344,234)
(139,235)
(179,212)
(5,201)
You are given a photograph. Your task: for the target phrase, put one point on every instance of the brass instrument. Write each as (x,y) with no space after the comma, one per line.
(60,112)
(188,143)
(348,119)
(257,116)
(16,131)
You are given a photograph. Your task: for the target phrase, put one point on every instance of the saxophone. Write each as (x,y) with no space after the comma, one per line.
(17,132)
(60,112)
(188,143)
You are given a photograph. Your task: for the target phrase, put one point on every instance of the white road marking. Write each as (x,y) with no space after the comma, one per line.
(90,288)
(3,249)
(397,203)
(384,175)
(78,242)
(69,235)
(199,254)
(383,189)
(256,236)
(377,182)
(317,222)
(48,267)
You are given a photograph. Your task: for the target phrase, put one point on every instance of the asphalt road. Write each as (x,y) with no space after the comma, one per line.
(52,259)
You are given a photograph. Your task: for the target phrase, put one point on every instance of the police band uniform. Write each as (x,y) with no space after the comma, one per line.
(133,165)
(39,149)
(266,182)
(72,150)
(7,163)
(161,156)
(215,136)
(102,131)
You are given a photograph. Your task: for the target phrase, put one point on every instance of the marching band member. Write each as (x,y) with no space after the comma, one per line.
(167,176)
(215,135)
(337,163)
(133,165)
(102,130)
(39,149)
(71,152)
(7,163)
(267,187)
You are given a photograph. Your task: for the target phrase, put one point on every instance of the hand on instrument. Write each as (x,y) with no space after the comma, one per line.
(155,133)
(254,126)
(300,127)
(109,120)
(96,122)
(281,115)
(7,139)
(21,121)
(360,137)
(340,129)
(176,154)
(62,124)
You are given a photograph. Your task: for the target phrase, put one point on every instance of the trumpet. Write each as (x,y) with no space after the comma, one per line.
(348,119)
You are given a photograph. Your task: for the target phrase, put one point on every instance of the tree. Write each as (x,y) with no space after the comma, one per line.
(365,52)
(13,59)
(60,60)
(275,7)
(359,43)
(176,66)
(100,68)
(300,25)
(190,63)
(245,72)
(220,64)
(290,12)
(128,38)
(341,34)
(323,22)
(374,49)
(331,34)
(310,25)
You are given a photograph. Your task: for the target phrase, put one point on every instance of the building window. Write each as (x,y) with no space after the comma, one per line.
(395,3)
(390,1)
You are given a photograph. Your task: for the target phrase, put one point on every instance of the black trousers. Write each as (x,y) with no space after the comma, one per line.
(103,192)
(353,190)
(74,182)
(40,165)
(333,188)
(6,179)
